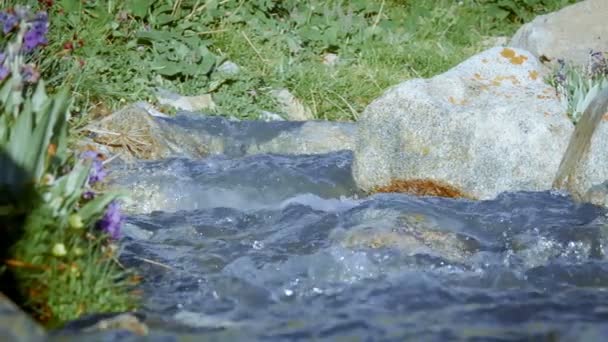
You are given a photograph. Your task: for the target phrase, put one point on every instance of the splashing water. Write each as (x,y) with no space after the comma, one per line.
(270,247)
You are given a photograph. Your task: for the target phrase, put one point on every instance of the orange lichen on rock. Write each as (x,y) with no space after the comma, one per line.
(533,74)
(497,81)
(455,101)
(512,56)
(508,53)
(605,117)
(423,187)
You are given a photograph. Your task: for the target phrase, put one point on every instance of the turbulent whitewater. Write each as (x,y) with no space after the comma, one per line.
(274,247)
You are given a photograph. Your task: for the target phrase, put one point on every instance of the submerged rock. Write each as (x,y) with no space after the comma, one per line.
(312,137)
(252,182)
(95,323)
(413,234)
(135,133)
(569,33)
(486,126)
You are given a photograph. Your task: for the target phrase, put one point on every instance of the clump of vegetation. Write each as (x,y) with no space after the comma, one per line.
(518,11)
(122,51)
(58,248)
(578,86)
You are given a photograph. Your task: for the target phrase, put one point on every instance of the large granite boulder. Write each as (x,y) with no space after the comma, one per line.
(568,34)
(486,126)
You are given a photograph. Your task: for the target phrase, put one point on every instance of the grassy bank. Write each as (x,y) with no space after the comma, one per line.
(121,51)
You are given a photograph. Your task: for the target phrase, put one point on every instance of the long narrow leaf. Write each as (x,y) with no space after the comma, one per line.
(20,141)
(96,206)
(43,133)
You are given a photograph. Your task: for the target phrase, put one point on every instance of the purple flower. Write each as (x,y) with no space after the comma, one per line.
(4,70)
(97,173)
(87,195)
(36,35)
(560,76)
(8,21)
(597,65)
(112,220)
(30,73)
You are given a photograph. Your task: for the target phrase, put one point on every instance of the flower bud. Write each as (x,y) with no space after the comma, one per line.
(59,250)
(47,179)
(75,221)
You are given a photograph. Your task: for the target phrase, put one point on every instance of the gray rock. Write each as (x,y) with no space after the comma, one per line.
(569,33)
(597,194)
(198,320)
(103,327)
(486,126)
(270,116)
(490,42)
(187,103)
(312,137)
(134,133)
(330,59)
(131,132)
(293,107)
(229,68)
(16,326)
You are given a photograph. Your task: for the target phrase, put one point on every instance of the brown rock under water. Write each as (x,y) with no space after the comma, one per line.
(423,187)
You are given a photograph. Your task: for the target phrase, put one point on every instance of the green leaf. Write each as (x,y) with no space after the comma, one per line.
(66,190)
(139,8)
(164,19)
(37,147)
(153,36)
(21,142)
(96,206)
(76,179)
(70,5)
(206,65)
(496,12)
(60,138)
(39,98)
(5,91)
(166,68)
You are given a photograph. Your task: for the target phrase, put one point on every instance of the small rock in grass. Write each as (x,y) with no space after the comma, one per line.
(330,59)
(229,68)
(292,106)
(187,103)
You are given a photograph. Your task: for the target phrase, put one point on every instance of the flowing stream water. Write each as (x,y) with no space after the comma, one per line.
(275,247)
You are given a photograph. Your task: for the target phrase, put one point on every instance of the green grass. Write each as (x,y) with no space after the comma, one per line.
(277,45)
